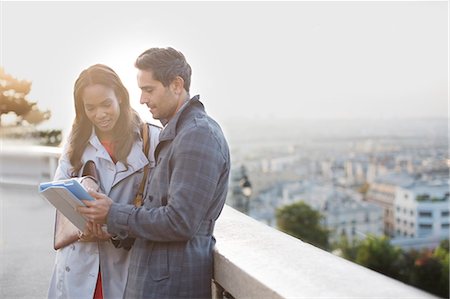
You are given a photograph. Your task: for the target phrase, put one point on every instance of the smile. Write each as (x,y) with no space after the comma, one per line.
(104,123)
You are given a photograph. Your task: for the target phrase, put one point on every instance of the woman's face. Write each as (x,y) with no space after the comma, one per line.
(102,108)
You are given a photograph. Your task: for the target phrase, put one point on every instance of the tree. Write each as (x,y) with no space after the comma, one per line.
(346,249)
(13,93)
(405,265)
(425,269)
(441,253)
(302,222)
(378,254)
(427,274)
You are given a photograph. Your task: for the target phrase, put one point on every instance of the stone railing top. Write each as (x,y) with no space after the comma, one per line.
(7,149)
(253,260)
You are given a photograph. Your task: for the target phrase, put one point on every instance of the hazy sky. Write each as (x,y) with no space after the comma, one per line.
(252,60)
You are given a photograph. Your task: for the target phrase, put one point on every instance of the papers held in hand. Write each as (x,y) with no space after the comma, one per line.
(66,196)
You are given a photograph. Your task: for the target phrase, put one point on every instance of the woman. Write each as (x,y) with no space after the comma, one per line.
(106,131)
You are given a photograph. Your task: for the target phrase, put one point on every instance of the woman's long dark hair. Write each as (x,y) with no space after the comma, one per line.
(123,131)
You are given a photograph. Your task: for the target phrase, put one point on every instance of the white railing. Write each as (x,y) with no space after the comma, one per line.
(251,260)
(27,164)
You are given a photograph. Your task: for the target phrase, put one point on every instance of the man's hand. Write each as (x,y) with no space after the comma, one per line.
(96,211)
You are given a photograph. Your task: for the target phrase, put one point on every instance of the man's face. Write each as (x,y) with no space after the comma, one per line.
(162,101)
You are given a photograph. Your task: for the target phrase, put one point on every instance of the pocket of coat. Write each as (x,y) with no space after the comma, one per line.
(159,263)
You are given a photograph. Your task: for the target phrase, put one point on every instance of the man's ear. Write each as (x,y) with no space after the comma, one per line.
(177,85)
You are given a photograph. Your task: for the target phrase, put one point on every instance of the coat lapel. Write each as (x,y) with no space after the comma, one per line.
(111,174)
(136,161)
(170,130)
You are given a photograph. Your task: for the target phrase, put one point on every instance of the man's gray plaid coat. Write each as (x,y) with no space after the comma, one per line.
(173,253)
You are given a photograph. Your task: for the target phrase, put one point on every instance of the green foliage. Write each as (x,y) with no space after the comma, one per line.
(427,274)
(378,254)
(429,269)
(49,137)
(422,197)
(425,269)
(347,250)
(441,253)
(405,265)
(426,197)
(300,221)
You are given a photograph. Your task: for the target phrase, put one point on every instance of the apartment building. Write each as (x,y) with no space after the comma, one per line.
(382,193)
(422,211)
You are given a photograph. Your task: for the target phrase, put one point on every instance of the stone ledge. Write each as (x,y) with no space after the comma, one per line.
(253,260)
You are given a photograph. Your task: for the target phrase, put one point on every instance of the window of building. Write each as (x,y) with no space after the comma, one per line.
(425,214)
(425,226)
(444,225)
(444,213)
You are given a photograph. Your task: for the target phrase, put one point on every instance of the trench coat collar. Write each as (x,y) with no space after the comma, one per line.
(101,152)
(170,130)
(136,159)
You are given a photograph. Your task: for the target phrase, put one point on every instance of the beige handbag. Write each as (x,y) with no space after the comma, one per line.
(65,232)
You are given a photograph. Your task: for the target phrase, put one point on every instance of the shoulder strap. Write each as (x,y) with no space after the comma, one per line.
(145,147)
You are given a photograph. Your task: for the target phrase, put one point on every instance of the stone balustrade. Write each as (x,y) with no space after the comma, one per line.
(253,260)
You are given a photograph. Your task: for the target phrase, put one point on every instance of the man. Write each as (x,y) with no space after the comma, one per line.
(173,253)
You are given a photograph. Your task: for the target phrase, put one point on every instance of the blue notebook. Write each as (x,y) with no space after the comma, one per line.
(71,184)
(66,196)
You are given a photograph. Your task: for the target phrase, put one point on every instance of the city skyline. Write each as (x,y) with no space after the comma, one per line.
(251,61)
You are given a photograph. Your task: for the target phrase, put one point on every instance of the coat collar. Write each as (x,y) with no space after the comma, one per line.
(101,152)
(170,130)
(117,172)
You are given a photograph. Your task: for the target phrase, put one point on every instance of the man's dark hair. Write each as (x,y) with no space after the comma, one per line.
(165,64)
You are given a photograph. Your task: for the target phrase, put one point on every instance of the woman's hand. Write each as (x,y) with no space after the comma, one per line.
(94,232)
(87,235)
(99,231)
